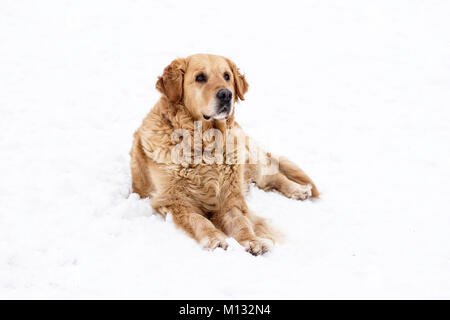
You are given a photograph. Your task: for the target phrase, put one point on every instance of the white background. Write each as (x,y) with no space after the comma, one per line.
(355,92)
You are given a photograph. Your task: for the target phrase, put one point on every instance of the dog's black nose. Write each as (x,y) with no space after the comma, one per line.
(224,96)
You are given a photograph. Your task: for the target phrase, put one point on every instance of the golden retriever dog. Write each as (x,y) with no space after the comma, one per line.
(203,185)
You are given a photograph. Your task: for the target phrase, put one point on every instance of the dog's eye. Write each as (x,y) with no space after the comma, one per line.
(226,76)
(200,78)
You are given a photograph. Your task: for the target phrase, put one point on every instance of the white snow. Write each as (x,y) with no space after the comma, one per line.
(357,93)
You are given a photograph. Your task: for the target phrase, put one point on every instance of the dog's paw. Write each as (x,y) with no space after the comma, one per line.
(300,191)
(213,242)
(257,246)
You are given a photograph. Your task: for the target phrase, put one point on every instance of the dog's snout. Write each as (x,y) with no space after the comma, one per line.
(224,108)
(224,96)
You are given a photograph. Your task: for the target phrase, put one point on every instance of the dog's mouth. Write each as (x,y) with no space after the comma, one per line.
(219,116)
(223,112)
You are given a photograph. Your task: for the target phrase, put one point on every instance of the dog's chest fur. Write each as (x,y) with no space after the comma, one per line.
(211,185)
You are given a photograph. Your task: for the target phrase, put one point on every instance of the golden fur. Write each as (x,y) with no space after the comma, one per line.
(207,200)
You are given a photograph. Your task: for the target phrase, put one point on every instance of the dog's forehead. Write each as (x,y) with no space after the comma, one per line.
(207,62)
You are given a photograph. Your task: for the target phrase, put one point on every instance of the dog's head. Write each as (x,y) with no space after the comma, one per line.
(207,85)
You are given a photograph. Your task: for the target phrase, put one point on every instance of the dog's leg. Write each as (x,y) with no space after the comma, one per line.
(294,173)
(190,219)
(238,225)
(290,180)
(282,184)
(261,228)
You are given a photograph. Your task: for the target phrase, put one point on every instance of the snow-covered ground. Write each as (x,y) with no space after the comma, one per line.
(361,89)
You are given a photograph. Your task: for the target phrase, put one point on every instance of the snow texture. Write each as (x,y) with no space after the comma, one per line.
(355,92)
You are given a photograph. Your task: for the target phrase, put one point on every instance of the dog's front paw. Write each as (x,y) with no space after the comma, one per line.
(257,246)
(214,241)
(300,191)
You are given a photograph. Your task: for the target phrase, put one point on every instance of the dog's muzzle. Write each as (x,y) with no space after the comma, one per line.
(224,97)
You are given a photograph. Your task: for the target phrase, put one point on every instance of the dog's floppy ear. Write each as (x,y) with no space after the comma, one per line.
(240,84)
(170,83)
